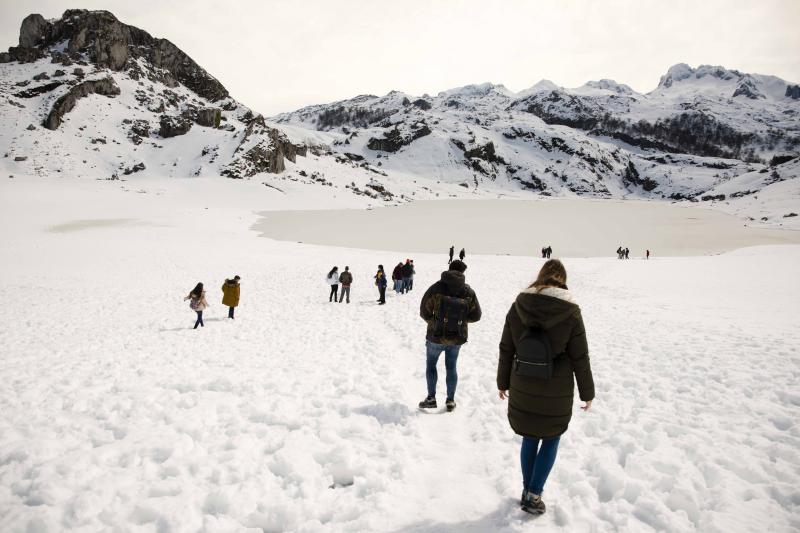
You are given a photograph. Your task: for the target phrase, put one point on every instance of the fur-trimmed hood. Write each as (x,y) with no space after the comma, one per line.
(546,307)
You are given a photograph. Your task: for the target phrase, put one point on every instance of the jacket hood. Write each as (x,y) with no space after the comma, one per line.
(546,308)
(455,281)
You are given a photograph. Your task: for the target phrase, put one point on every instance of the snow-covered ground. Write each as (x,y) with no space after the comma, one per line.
(301,415)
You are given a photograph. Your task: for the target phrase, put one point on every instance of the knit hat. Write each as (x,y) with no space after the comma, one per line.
(458,266)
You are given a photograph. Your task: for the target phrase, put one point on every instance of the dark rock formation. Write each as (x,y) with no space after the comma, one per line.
(41,76)
(209,117)
(173,126)
(422,104)
(395,139)
(138,167)
(109,43)
(485,152)
(793,91)
(747,87)
(39,90)
(631,177)
(66,103)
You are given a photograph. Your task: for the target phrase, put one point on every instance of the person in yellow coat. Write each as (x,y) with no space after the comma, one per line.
(230,294)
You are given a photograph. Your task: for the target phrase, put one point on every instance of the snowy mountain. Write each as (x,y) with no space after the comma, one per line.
(700,128)
(88,95)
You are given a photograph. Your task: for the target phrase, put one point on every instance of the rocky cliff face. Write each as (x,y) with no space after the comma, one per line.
(141,95)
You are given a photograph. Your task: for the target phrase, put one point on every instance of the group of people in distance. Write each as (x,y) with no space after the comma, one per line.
(543,353)
(623,253)
(334,279)
(547,251)
(198,302)
(461,255)
(403,276)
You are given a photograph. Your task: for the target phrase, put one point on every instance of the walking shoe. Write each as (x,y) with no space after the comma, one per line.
(533,504)
(523,498)
(450,404)
(428,403)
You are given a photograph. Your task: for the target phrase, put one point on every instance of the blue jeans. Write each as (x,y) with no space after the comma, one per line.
(431,375)
(536,466)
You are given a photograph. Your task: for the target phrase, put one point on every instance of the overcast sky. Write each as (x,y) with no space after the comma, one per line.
(277,55)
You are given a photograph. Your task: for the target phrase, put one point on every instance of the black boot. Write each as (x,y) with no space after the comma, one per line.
(533,503)
(428,403)
(450,404)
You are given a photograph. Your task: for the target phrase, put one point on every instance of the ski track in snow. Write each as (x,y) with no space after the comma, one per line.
(301,414)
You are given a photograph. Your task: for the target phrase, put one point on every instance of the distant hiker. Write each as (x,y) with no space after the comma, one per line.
(543,345)
(413,273)
(462,254)
(648,254)
(407,271)
(620,253)
(627,253)
(230,294)
(544,252)
(198,303)
(548,251)
(397,278)
(452,249)
(447,306)
(346,279)
(380,282)
(333,280)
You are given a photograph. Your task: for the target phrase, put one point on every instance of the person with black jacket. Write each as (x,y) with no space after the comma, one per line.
(539,408)
(407,270)
(346,279)
(380,282)
(462,254)
(447,306)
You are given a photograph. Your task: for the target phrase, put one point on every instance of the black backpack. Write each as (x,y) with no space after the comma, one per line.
(451,318)
(534,355)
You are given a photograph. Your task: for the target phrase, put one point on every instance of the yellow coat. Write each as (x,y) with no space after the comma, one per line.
(230,294)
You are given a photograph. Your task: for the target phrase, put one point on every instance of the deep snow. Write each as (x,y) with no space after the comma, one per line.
(115,415)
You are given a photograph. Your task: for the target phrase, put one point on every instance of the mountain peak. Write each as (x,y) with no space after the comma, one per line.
(98,36)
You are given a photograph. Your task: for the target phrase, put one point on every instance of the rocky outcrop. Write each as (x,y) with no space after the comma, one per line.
(171,126)
(262,149)
(34,31)
(209,117)
(396,139)
(747,87)
(66,103)
(793,92)
(109,43)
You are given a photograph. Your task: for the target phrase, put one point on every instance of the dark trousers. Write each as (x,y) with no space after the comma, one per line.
(536,464)
(345,291)
(230,312)
(382,293)
(199,321)
(334,293)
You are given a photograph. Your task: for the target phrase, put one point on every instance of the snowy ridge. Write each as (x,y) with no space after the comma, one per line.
(699,129)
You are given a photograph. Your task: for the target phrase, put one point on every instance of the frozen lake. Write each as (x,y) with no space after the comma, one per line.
(574,228)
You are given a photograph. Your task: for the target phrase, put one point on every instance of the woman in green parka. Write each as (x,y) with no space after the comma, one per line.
(230,294)
(540,409)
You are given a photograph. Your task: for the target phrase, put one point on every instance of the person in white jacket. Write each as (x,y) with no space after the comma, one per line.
(333,280)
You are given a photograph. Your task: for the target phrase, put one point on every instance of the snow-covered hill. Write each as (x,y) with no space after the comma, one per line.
(700,129)
(90,96)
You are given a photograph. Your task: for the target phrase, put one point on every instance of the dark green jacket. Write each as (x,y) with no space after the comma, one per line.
(536,407)
(452,283)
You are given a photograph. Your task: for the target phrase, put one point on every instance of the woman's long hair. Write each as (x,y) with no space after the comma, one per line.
(197,291)
(552,274)
(334,269)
